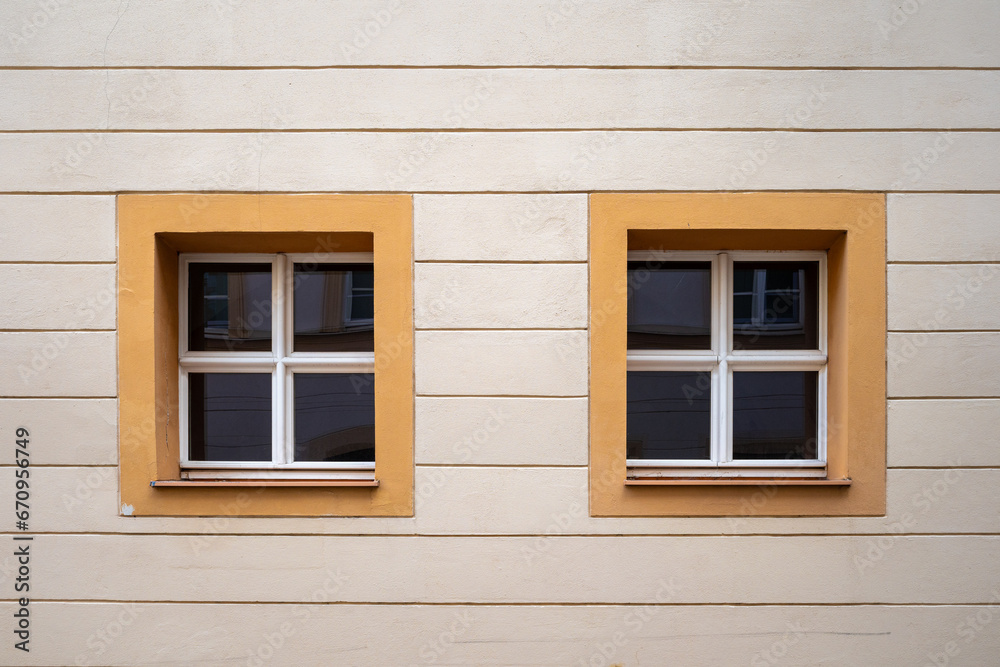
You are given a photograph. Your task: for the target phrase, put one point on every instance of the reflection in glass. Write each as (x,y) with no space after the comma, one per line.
(669,305)
(229,306)
(774,415)
(334,307)
(669,415)
(775,305)
(334,417)
(230,416)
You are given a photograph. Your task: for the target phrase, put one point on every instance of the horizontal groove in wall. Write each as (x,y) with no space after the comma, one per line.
(970,262)
(518,329)
(649,603)
(517,466)
(484,130)
(500,536)
(943,331)
(421,395)
(58,330)
(463,262)
(82,466)
(508,466)
(941,398)
(58,398)
(75,398)
(67,262)
(50,193)
(810,68)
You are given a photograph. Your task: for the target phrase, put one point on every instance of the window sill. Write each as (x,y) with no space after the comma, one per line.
(735,481)
(202,483)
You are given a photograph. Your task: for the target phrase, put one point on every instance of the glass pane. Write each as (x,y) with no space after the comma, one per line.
(669,415)
(775,305)
(334,417)
(774,415)
(334,308)
(229,306)
(670,305)
(230,416)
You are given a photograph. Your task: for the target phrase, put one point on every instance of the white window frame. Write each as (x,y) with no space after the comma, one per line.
(720,362)
(281,363)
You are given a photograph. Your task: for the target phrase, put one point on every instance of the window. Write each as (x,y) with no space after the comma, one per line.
(726,365)
(737,354)
(276,364)
(265,355)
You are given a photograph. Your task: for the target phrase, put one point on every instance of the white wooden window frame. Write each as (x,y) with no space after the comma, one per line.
(282,363)
(721,361)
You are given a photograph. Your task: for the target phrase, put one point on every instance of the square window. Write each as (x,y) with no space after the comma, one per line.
(267,406)
(744,402)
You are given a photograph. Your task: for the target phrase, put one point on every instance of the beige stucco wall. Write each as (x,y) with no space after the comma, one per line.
(500,117)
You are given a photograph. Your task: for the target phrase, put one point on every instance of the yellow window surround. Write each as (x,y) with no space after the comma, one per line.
(851,229)
(153,229)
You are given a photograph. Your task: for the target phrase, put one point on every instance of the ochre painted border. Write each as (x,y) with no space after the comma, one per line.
(152,229)
(851,227)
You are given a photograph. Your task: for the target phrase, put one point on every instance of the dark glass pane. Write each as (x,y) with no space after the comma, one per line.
(775,305)
(229,306)
(742,307)
(774,415)
(669,305)
(669,415)
(334,308)
(334,417)
(230,416)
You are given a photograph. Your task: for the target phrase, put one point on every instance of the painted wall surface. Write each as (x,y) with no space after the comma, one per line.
(500,118)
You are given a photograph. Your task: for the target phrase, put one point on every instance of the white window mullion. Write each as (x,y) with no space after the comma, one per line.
(278,403)
(184,409)
(821,425)
(279,384)
(721,314)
